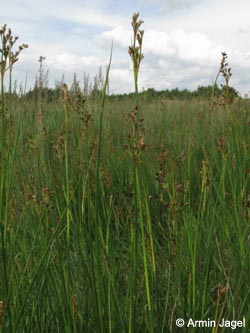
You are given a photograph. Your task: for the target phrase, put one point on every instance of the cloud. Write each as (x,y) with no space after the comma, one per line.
(190,46)
(121,80)
(84,12)
(71,61)
(119,35)
(173,4)
(176,59)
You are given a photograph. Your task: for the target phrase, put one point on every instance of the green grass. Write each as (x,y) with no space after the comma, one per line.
(193,224)
(127,221)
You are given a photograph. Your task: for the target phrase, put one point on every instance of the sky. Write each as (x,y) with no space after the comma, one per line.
(182,45)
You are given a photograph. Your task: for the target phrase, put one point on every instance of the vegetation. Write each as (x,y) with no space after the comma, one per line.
(122,213)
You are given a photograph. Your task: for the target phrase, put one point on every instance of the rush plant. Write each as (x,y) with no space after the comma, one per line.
(8,57)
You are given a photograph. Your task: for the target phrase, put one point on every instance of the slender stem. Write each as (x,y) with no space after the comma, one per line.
(97,197)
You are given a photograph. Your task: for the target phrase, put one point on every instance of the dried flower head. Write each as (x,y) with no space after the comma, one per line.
(228,93)
(135,50)
(224,69)
(135,23)
(7,56)
(64,88)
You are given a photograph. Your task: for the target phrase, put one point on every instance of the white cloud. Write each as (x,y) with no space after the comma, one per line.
(68,11)
(119,35)
(178,58)
(69,61)
(173,4)
(121,80)
(192,46)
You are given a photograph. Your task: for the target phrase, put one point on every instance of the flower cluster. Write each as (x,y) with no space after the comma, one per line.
(7,56)
(135,50)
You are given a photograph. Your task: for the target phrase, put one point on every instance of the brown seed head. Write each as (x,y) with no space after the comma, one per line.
(135,17)
(3,29)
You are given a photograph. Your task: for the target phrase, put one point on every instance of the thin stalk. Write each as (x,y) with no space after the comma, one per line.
(97,198)
(67,171)
(2,142)
(144,252)
(135,53)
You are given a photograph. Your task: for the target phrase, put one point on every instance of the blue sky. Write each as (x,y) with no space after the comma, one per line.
(182,42)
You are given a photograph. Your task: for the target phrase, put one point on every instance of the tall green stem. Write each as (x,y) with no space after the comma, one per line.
(97,198)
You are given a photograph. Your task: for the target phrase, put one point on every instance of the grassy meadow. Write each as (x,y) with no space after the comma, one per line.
(122,214)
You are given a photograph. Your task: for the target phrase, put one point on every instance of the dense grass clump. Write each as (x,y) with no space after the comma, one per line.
(123,216)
